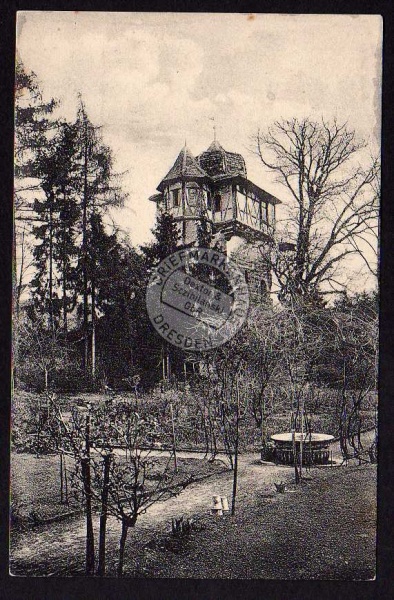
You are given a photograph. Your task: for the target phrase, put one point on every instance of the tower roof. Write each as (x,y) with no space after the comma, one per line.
(218,161)
(184,166)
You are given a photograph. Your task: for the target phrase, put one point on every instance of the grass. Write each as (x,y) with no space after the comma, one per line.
(35,485)
(324,530)
(321,529)
(35,489)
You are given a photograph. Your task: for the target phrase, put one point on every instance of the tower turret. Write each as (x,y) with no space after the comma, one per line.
(184,194)
(214,185)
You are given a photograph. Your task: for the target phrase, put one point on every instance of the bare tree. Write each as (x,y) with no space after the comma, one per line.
(303,338)
(23,264)
(39,352)
(231,392)
(206,404)
(266,340)
(356,344)
(333,212)
(136,479)
(112,471)
(73,437)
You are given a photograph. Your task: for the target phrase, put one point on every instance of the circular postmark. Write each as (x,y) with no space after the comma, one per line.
(197,299)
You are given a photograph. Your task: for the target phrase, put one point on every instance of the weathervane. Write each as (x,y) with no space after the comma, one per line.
(214,127)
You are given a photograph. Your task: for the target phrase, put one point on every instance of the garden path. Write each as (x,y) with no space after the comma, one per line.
(58,548)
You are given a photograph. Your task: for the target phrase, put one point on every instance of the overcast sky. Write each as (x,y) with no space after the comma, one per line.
(154,80)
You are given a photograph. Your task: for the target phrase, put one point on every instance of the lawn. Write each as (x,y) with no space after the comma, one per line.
(325,529)
(35,485)
(35,488)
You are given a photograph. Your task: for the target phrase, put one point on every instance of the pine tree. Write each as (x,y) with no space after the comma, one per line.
(33,125)
(166,241)
(119,298)
(204,233)
(32,121)
(98,191)
(54,283)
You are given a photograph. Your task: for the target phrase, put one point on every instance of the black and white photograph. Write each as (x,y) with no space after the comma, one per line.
(195,300)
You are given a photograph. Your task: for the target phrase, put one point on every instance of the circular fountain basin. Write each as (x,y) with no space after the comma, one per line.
(315,447)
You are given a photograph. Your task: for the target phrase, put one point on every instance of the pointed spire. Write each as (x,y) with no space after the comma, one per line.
(215,146)
(218,161)
(185,151)
(184,166)
(214,128)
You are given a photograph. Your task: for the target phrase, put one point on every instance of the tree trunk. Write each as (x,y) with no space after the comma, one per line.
(103,515)
(38,428)
(65,324)
(18,290)
(173,439)
(263,423)
(85,464)
(226,440)
(51,317)
(84,251)
(122,544)
(65,479)
(93,331)
(302,438)
(204,425)
(235,477)
(295,458)
(61,477)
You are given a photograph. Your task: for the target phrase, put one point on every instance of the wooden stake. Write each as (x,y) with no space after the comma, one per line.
(173,438)
(61,477)
(235,453)
(302,435)
(104,514)
(65,478)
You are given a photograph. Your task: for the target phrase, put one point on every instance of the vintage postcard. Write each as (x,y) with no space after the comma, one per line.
(195,298)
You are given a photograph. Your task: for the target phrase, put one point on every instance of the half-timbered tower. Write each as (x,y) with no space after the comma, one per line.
(215,185)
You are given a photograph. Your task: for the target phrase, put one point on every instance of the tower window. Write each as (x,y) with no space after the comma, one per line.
(217,203)
(175,198)
(192,196)
(263,289)
(264,212)
(209,201)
